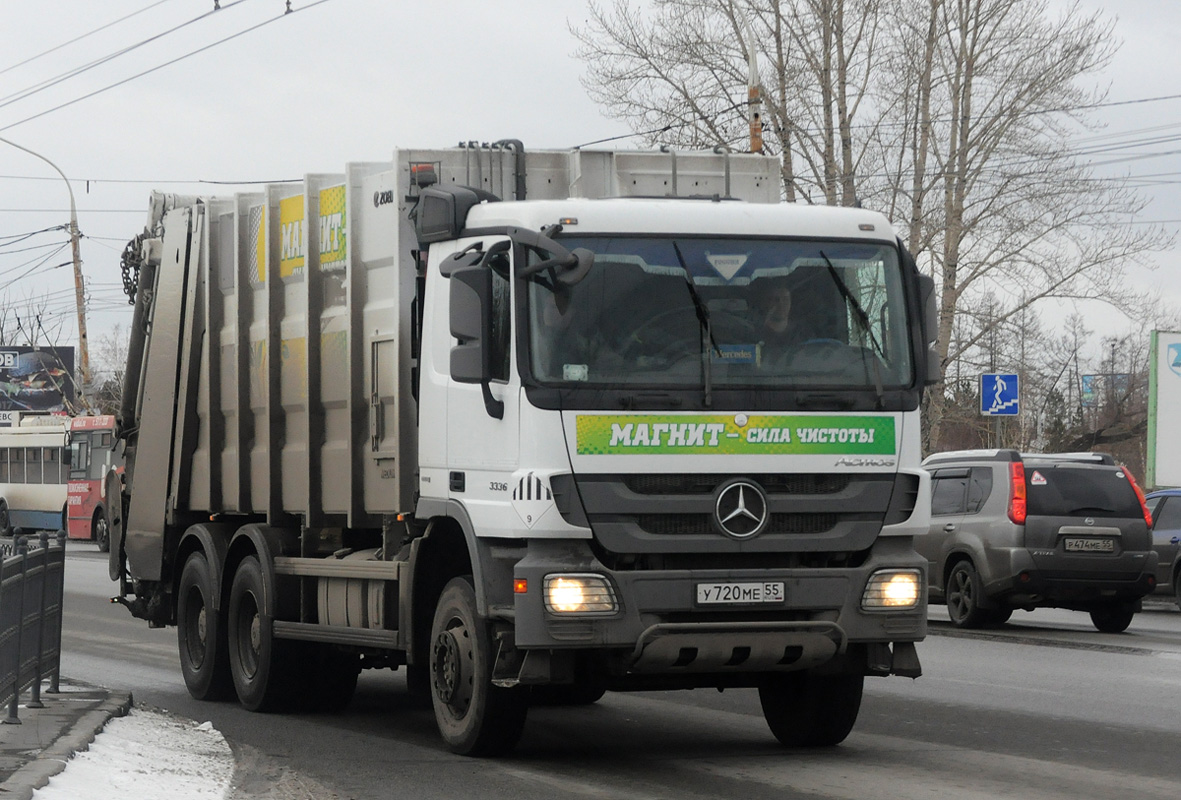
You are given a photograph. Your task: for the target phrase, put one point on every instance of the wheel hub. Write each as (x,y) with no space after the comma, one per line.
(202,630)
(255,634)
(448,666)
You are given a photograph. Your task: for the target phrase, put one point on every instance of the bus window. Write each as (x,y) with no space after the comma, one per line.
(79,457)
(32,465)
(16,463)
(51,464)
(3,465)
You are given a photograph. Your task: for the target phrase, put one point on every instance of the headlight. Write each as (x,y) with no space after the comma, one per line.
(579,594)
(892,589)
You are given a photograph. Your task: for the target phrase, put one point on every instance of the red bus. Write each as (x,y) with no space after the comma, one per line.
(93,455)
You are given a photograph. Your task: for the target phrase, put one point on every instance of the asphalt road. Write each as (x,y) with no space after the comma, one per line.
(1045,707)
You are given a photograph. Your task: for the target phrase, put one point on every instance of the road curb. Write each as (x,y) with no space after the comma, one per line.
(52,760)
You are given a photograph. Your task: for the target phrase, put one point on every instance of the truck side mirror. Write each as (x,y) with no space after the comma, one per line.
(930,327)
(471,300)
(471,324)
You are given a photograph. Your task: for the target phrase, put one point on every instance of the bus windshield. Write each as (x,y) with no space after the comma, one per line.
(786,313)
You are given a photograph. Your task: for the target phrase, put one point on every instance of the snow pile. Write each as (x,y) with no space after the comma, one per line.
(147,754)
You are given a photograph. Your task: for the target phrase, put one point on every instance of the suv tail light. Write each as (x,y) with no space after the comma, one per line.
(1017,506)
(1139,496)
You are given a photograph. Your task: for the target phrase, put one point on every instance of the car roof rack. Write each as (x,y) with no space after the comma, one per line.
(1006,454)
(973,455)
(1084,458)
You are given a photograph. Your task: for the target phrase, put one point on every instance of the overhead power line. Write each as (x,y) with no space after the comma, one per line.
(154,181)
(30,59)
(231,37)
(50,82)
(20,237)
(67,211)
(6,252)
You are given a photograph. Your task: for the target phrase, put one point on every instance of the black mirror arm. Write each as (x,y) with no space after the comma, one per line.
(494,407)
(567,260)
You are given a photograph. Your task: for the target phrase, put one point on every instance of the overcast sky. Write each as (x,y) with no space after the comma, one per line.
(348,80)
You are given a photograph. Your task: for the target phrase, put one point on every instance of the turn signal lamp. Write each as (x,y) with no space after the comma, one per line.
(423,175)
(892,590)
(579,594)
(1017,504)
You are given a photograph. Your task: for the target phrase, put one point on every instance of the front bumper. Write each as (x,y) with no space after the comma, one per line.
(659,628)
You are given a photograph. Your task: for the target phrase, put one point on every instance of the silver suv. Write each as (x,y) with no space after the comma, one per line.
(1012,530)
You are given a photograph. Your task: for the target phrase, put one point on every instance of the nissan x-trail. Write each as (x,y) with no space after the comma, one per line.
(1024,531)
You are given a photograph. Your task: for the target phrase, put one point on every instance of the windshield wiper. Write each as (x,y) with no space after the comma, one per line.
(706,329)
(862,318)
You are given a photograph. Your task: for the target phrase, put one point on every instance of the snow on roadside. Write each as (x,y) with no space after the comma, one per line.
(147,754)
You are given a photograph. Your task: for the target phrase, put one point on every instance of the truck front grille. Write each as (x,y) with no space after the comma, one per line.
(809,513)
(705,484)
(701,524)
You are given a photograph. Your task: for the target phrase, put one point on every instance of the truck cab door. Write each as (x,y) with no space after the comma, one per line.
(483,418)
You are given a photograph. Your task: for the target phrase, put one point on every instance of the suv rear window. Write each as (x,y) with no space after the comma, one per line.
(1064,491)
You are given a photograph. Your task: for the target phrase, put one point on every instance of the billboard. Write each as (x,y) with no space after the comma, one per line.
(36,378)
(1164,409)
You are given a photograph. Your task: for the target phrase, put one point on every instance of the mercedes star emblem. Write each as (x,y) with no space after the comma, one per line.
(740,509)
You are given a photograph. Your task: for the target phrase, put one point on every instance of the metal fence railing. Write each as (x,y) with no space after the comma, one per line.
(32,586)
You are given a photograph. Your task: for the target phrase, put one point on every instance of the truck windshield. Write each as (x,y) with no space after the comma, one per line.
(766,312)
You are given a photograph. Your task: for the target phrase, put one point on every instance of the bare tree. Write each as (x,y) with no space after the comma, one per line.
(955,117)
(680,76)
(110,365)
(1002,203)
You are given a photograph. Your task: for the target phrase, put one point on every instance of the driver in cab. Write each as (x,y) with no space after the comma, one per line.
(780,330)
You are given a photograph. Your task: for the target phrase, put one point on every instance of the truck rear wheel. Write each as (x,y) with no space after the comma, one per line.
(260,671)
(474,717)
(200,633)
(804,709)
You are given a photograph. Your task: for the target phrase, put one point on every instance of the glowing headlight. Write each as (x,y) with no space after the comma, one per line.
(892,589)
(579,594)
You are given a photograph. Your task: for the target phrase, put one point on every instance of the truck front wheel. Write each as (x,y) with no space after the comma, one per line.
(804,709)
(474,717)
(200,633)
(256,659)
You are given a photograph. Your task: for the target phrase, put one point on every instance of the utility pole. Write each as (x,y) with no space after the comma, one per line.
(754,93)
(79,286)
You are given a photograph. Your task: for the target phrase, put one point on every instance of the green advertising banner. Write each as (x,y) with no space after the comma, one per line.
(703,434)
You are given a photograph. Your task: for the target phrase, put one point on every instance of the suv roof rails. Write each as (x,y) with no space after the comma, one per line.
(1005,454)
(973,455)
(1086,458)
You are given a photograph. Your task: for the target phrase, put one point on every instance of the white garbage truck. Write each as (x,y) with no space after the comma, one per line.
(533,427)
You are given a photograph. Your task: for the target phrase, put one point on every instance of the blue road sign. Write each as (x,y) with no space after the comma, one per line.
(998,394)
